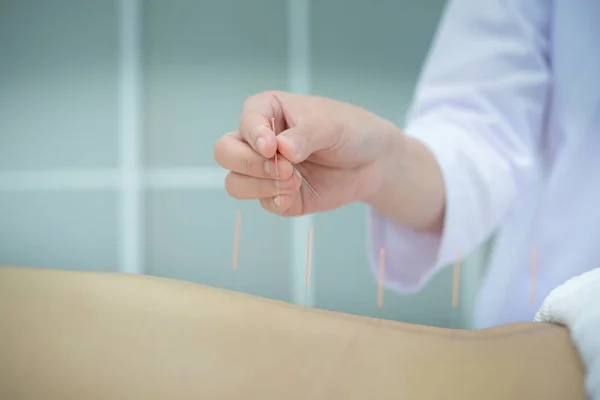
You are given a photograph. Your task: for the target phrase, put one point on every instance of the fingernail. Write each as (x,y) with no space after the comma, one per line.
(268,167)
(261,143)
(276,201)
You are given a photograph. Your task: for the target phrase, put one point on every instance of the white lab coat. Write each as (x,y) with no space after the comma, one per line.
(509,104)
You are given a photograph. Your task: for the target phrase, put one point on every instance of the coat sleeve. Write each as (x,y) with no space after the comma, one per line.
(479,106)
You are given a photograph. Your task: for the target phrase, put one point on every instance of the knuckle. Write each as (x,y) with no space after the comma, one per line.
(248,165)
(307,129)
(266,204)
(268,96)
(263,96)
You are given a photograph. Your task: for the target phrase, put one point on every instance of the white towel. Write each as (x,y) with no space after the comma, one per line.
(576,304)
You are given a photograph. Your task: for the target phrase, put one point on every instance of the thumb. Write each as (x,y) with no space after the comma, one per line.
(298,143)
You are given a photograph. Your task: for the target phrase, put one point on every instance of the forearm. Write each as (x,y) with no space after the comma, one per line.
(102,336)
(411,187)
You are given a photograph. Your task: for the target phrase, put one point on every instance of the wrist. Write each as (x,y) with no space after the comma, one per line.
(410,188)
(387,169)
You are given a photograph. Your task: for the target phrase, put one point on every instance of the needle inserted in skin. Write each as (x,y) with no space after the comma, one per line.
(236,239)
(381,277)
(308,262)
(456,280)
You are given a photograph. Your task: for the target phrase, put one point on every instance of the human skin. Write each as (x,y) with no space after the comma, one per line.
(346,153)
(88,335)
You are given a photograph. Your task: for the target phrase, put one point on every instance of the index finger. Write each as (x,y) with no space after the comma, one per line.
(253,127)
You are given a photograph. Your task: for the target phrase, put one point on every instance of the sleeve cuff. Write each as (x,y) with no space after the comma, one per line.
(410,257)
(464,182)
(413,258)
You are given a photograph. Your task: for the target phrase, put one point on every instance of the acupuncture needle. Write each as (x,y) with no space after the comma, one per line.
(456,287)
(313,193)
(306,185)
(271,125)
(276,161)
(381,277)
(236,239)
(308,262)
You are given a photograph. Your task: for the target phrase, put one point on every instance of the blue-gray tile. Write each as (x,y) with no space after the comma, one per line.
(58,80)
(62,230)
(372,56)
(190,236)
(344,281)
(202,59)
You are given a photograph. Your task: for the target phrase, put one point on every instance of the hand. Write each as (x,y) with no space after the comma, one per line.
(337,147)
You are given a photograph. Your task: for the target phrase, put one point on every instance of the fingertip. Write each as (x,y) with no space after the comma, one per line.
(261,145)
(289,148)
(286,169)
(267,145)
(282,202)
(260,138)
(277,204)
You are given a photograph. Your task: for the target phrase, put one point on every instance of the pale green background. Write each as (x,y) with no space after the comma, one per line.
(59,109)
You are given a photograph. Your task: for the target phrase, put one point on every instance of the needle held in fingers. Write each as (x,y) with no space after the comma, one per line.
(271,126)
(306,185)
(276,158)
(297,173)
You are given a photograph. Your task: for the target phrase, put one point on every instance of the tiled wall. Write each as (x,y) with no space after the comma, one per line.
(60,156)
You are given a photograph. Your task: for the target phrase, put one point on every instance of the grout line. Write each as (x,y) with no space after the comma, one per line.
(185,178)
(298,23)
(109,179)
(72,179)
(130,132)
(301,294)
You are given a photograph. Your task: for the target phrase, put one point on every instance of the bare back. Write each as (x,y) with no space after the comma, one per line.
(76,335)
